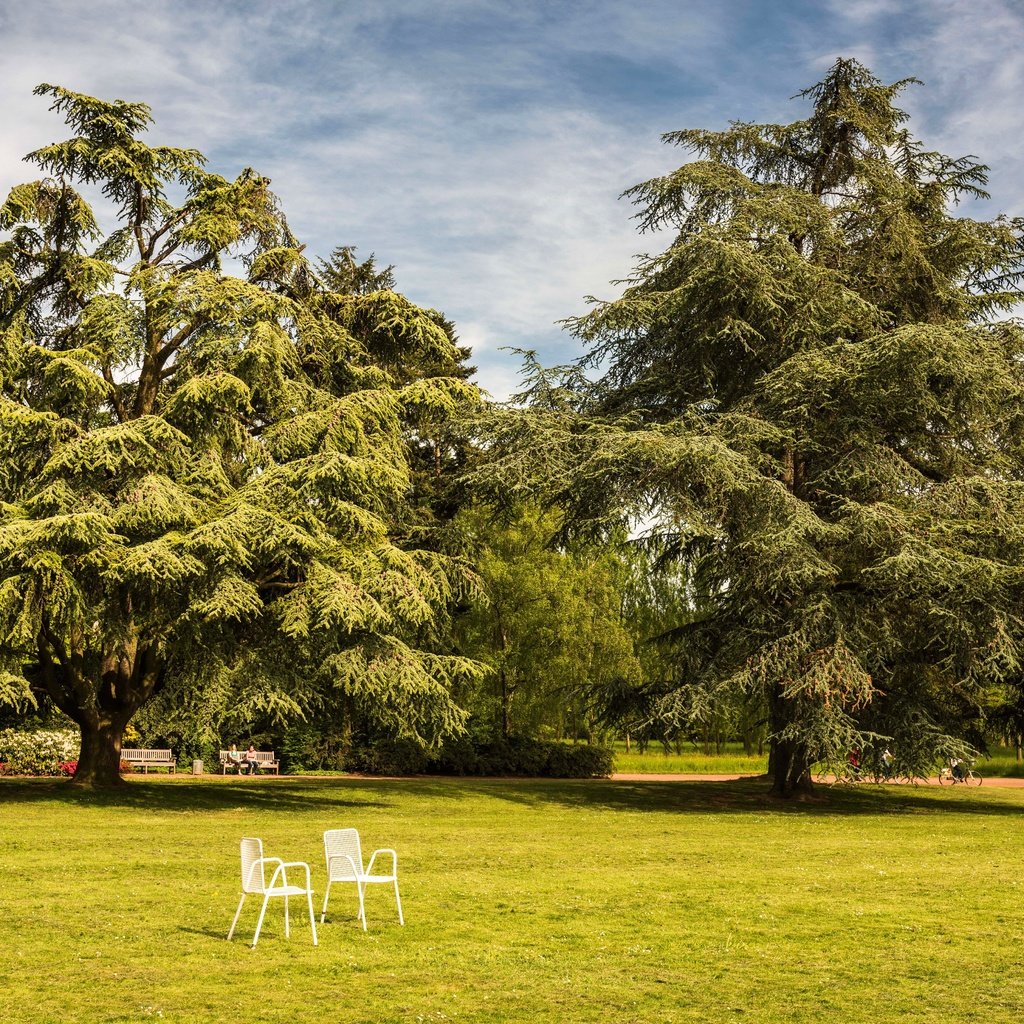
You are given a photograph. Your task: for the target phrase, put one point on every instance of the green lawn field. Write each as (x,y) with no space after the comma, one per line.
(998,762)
(535,901)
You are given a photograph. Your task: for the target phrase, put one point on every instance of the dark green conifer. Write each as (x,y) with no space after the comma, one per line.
(814,398)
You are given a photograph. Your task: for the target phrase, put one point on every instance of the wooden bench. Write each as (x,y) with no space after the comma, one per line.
(264,758)
(146,759)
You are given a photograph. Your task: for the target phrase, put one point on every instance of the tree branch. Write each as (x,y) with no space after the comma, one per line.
(137,226)
(115,394)
(161,231)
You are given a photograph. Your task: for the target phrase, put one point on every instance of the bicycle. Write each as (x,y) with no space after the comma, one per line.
(968,776)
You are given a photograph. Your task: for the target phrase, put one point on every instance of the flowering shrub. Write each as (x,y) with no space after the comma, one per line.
(42,752)
(67,768)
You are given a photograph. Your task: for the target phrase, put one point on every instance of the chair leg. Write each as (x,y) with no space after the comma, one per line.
(287,928)
(235,921)
(398,903)
(312,918)
(362,904)
(259,923)
(323,912)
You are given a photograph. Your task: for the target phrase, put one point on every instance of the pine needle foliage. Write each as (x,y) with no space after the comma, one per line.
(203,475)
(814,397)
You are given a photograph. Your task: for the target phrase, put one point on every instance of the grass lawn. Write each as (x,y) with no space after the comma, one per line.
(536,901)
(691,761)
(999,762)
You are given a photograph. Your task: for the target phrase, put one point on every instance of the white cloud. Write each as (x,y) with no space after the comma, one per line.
(477,145)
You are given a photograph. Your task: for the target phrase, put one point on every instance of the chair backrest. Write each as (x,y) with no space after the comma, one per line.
(340,843)
(252,879)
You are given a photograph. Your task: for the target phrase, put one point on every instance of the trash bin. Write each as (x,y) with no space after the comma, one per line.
(197,766)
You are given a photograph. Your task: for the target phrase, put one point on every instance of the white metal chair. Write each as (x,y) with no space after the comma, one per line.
(254,880)
(345,864)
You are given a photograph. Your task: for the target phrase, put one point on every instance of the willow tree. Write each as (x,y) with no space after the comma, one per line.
(549,628)
(814,398)
(201,474)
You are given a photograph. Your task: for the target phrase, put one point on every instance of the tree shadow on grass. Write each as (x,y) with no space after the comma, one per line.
(740,796)
(284,794)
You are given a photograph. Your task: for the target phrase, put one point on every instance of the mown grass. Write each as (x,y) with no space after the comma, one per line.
(689,761)
(534,900)
(999,762)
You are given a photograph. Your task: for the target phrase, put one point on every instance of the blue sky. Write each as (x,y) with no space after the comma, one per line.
(480,146)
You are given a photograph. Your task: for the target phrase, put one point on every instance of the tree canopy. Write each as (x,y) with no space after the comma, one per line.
(204,474)
(813,399)
(549,628)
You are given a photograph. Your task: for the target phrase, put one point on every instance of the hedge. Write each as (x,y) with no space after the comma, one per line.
(521,757)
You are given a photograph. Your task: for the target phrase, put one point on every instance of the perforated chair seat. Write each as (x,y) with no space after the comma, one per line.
(287,890)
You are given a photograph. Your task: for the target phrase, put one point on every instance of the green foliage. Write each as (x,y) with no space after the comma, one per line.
(206,478)
(513,756)
(548,627)
(811,399)
(307,749)
(388,757)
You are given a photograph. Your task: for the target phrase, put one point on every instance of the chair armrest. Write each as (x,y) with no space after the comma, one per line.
(394,860)
(259,862)
(356,871)
(295,864)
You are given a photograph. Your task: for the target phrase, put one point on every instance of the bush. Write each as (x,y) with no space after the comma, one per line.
(40,752)
(459,757)
(305,747)
(390,757)
(582,762)
(519,757)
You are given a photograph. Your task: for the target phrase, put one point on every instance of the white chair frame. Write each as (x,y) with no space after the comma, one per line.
(345,864)
(254,881)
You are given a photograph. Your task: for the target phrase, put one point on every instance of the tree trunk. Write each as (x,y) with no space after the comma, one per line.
(100,707)
(99,760)
(790,770)
(505,699)
(788,763)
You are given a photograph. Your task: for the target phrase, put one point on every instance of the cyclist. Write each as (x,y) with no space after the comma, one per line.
(958,769)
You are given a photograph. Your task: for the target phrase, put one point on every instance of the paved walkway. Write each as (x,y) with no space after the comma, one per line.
(997,783)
